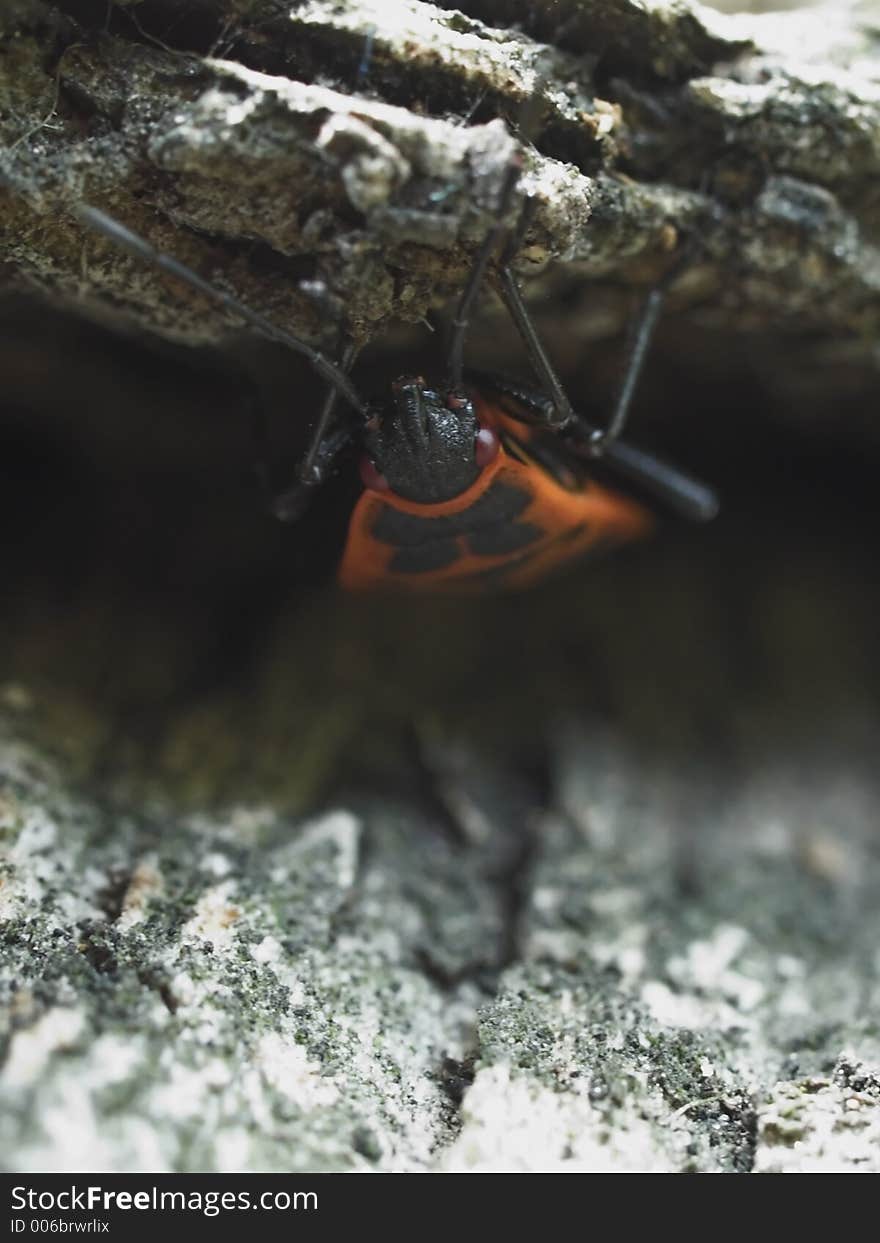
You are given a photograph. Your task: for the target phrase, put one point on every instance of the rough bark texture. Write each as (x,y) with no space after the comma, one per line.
(669,978)
(582,880)
(358,150)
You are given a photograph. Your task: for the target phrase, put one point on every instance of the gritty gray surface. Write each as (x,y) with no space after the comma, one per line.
(693,984)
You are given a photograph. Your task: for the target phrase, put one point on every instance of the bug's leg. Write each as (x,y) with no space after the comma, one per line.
(136,245)
(680,492)
(673,488)
(290,505)
(462,317)
(326,443)
(641,335)
(519,400)
(557,411)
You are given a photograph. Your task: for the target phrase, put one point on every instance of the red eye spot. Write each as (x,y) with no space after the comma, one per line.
(456,402)
(371,477)
(488,445)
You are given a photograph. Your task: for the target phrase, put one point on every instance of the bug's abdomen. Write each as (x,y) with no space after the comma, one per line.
(514,526)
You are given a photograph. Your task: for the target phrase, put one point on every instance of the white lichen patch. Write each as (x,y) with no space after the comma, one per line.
(684,1010)
(708,967)
(286,1067)
(32,1047)
(626,952)
(817,1126)
(30,869)
(341,832)
(216,917)
(513,1124)
(145,884)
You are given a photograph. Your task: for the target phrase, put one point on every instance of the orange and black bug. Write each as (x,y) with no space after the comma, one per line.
(471,485)
(528,508)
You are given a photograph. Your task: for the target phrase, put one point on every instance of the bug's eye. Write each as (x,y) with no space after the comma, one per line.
(371,477)
(488,445)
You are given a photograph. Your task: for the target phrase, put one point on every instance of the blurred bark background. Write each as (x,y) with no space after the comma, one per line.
(594,882)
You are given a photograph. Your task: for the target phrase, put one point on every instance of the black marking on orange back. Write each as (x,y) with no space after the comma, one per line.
(487,528)
(498,574)
(500,503)
(501,538)
(424,558)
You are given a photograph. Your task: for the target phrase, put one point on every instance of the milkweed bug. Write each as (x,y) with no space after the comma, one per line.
(478,483)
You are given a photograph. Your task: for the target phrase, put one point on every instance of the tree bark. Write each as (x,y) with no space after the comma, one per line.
(334,164)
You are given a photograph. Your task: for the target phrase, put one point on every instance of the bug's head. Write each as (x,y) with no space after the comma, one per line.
(425,444)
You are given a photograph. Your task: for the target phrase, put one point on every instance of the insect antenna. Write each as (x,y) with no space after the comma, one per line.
(100,222)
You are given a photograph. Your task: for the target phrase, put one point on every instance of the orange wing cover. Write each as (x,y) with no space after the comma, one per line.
(515,525)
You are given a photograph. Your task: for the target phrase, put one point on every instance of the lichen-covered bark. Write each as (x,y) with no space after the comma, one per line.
(234,990)
(334,164)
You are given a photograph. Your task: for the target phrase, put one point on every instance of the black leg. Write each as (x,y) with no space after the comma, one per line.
(326,443)
(678,491)
(551,408)
(290,505)
(558,411)
(520,401)
(461,319)
(141,248)
(641,336)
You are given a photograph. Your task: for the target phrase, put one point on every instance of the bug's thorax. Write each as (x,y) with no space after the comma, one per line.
(425,444)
